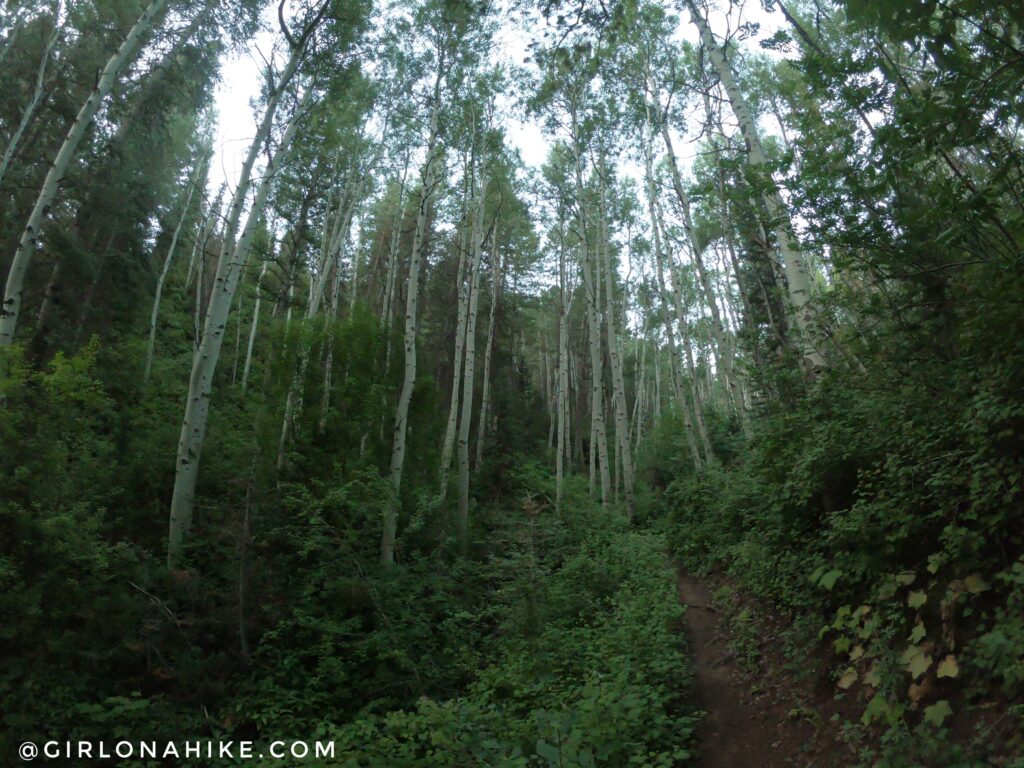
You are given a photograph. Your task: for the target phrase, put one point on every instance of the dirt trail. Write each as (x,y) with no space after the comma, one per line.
(740,730)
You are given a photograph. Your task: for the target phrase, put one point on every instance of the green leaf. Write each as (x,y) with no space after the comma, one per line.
(917,633)
(937,713)
(975,584)
(548,752)
(916,599)
(829,579)
(875,709)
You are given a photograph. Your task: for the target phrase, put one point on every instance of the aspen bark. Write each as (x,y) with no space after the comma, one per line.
(723,342)
(466,417)
(387,543)
(797,275)
(254,326)
(204,365)
(497,275)
(684,333)
(684,406)
(37,95)
(30,235)
(591,289)
(622,429)
(448,446)
(163,272)
(563,372)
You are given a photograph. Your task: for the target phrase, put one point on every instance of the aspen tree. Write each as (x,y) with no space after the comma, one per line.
(478,236)
(497,275)
(563,365)
(676,369)
(427,183)
(460,336)
(58,168)
(797,276)
(622,429)
(37,93)
(166,268)
(599,453)
(229,269)
(723,341)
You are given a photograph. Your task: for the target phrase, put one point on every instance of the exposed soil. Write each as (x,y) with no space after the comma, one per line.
(785,725)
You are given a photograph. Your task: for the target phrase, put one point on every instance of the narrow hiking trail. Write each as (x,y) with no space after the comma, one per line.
(740,729)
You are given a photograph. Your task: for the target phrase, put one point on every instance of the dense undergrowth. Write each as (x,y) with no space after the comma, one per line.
(882,515)
(553,642)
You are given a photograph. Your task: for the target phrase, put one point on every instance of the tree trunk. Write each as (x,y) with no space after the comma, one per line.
(387,543)
(797,276)
(37,95)
(622,430)
(255,324)
(466,417)
(163,273)
(30,235)
(722,339)
(460,340)
(563,371)
(684,406)
(497,275)
(204,365)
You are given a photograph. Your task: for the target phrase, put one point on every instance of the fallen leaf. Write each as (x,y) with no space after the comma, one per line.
(848,678)
(918,665)
(937,713)
(948,667)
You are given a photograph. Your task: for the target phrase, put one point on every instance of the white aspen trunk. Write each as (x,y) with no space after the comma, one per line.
(684,406)
(497,275)
(591,290)
(387,543)
(797,275)
(622,429)
(723,342)
(563,372)
(255,324)
(598,431)
(37,95)
(163,273)
(204,365)
(448,447)
(325,399)
(238,340)
(317,288)
(393,243)
(684,333)
(30,235)
(641,391)
(657,407)
(466,417)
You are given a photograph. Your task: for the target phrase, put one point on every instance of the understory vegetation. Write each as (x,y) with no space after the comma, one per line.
(882,516)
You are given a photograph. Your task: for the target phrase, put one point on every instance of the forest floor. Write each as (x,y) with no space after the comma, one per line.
(781,722)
